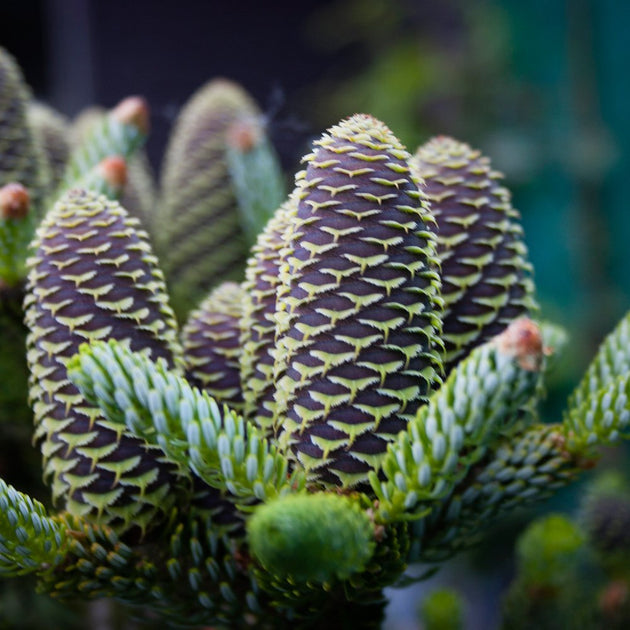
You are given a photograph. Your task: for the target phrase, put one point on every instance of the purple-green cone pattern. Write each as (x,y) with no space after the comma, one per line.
(486,280)
(258,324)
(199,236)
(53,131)
(93,276)
(21,156)
(358,307)
(211,345)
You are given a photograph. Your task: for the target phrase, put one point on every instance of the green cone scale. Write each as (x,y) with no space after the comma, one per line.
(211,345)
(93,276)
(258,324)
(358,310)
(199,237)
(485,272)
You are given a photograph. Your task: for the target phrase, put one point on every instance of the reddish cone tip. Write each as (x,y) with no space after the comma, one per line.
(113,170)
(133,110)
(243,135)
(14,201)
(523,341)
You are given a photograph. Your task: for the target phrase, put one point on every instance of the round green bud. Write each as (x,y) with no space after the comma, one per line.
(548,550)
(311,538)
(442,610)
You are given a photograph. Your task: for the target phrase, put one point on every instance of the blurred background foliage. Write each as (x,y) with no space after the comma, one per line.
(540,86)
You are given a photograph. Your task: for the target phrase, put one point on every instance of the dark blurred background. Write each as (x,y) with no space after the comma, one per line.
(540,86)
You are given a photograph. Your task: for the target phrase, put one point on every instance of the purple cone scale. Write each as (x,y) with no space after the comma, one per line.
(358,308)
(486,276)
(93,277)
(211,345)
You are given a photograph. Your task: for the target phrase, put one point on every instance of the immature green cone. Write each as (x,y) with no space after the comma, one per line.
(93,276)
(486,280)
(258,324)
(211,345)
(354,602)
(605,517)
(442,610)
(199,234)
(53,131)
(21,156)
(358,309)
(317,537)
(548,549)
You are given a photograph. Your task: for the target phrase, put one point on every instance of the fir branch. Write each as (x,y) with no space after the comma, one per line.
(612,360)
(190,577)
(226,451)
(255,173)
(520,470)
(119,133)
(480,401)
(602,418)
(30,541)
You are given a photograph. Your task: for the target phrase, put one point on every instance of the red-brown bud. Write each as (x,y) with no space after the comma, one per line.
(14,201)
(522,340)
(243,135)
(133,110)
(113,170)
